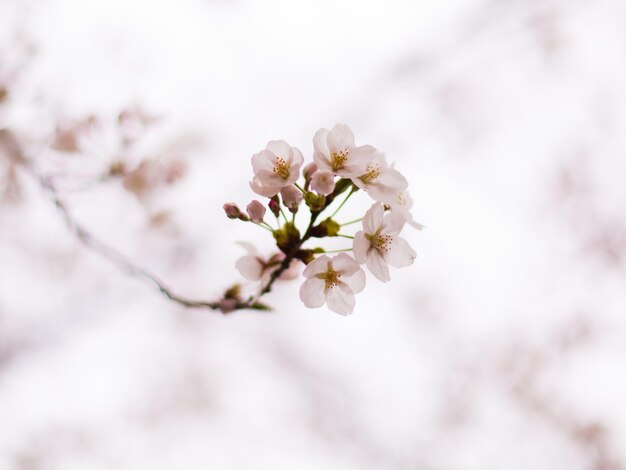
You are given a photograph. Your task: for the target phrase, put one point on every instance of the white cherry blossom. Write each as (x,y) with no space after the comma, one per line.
(335,150)
(332,281)
(402,203)
(275,167)
(378,244)
(381,181)
(256,268)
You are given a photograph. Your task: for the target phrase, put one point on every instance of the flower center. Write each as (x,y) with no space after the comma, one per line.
(371,173)
(331,279)
(281,168)
(339,159)
(380,242)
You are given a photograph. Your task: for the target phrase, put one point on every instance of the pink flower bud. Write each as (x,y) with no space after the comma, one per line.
(274,206)
(256,211)
(233,212)
(308,170)
(323,182)
(292,197)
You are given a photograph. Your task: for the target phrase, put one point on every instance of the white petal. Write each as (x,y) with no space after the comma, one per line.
(339,138)
(322,161)
(312,293)
(250,267)
(393,223)
(319,142)
(360,245)
(400,254)
(249,247)
(279,148)
(356,282)
(263,160)
(268,191)
(360,158)
(380,193)
(340,299)
(373,218)
(318,266)
(296,159)
(344,264)
(377,265)
(392,178)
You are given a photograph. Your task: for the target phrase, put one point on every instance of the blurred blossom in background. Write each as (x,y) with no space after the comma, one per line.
(502,347)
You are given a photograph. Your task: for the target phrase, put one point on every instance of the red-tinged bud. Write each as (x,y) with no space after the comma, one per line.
(233,212)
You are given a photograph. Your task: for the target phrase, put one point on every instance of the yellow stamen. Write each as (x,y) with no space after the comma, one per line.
(281,168)
(371,173)
(339,159)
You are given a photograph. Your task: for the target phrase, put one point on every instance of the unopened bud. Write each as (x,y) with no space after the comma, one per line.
(292,197)
(256,211)
(309,170)
(233,212)
(323,182)
(274,205)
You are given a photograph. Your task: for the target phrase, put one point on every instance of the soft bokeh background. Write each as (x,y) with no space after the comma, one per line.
(503,347)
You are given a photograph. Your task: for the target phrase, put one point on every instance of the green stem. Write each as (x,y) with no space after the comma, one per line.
(265,226)
(298,186)
(283,214)
(344,201)
(351,222)
(269,227)
(345,236)
(338,251)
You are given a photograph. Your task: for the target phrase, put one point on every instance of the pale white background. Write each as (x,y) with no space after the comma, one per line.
(503,347)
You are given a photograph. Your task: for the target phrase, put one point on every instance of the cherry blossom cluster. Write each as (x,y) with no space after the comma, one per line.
(339,166)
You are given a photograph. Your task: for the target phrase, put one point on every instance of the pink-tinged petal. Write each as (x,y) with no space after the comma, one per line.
(268,191)
(296,158)
(360,158)
(360,245)
(320,142)
(344,264)
(250,267)
(340,299)
(323,182)
(263,160)
(377,265)
(312,293)
(340,137)
(400,255)
(292,272)
(373,218)
(279,148)
(356,282)
(393,223)
(318,266)
(392,179)
(249,247)
(381,193)
(322,161)
(414,224)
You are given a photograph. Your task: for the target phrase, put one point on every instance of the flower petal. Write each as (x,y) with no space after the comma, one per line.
(279,148)
(268,191)
(340,299)
(344,264)
(312,293)
(340,137)
(356,282)
(250,267)
(393,223)
(377,265)
(373,218)
(318,266)
(319,142)
(400,255)
(360,245)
